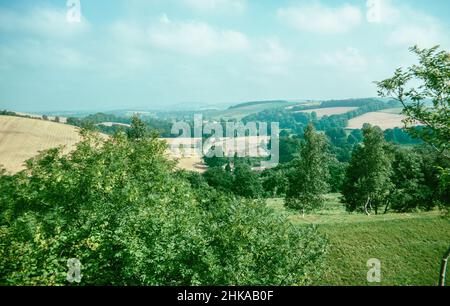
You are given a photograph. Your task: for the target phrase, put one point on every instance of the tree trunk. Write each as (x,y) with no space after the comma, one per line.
(366,206)
(386,208)
(444,268)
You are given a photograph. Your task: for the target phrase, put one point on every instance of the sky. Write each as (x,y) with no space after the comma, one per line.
(59,55)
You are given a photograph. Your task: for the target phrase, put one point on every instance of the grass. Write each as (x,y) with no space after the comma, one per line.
(239,113)
(409,246)
(329,111)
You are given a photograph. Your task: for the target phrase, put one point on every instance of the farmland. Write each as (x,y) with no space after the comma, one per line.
(321,112)
(242,110)
(207,147)
(22,139)
(384,120)
(189,159)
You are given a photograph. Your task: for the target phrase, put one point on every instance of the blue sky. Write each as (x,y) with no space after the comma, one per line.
(165,53)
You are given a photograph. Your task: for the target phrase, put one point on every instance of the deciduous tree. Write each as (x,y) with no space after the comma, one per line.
(309,178)
(367,184)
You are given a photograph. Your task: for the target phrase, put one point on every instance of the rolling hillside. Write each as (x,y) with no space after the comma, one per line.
(409,246)
(245,109)
(23,138)
(321,112)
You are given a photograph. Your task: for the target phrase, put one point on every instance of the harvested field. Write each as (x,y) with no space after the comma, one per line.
(22,139)
(189,159)
(382,119)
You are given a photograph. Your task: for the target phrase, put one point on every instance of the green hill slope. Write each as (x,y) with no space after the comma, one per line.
(409,246)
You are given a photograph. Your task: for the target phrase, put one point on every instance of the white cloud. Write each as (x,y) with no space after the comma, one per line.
(217,6)
(407,26)
(424,36)
(196,38)
(41,37)
(274,57)
(128,33)
(43,55)
(321,19)
(43,22)
(275,53)
(348,59)
(381,11)
(417,28)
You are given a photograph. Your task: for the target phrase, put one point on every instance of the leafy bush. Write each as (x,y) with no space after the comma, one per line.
(119,207)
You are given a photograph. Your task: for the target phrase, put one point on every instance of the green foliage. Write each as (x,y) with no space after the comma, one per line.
(337,175)
(367,183)
(195,179)
(400,136)
(444,189)
(138,130)
(355,137)
(275,181)
(120,208)
(215,161)
(246,104)
(309,177)
(348,103)
(246,182)
(289,148)
(409,191)
(162,127)
(241,181)
(219,179)
(433,76)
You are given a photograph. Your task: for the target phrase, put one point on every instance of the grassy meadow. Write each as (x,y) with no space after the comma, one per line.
(409,246)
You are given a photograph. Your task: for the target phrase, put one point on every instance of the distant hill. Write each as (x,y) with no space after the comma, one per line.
(242,110)
(262,103)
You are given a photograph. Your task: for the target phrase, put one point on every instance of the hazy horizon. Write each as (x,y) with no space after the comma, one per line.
(184,54)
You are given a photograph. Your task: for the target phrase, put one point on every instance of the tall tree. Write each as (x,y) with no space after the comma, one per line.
(433,76)
(367,184)
(309,178)
(427,103)
(410,190)
(246,182)
(138,129)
